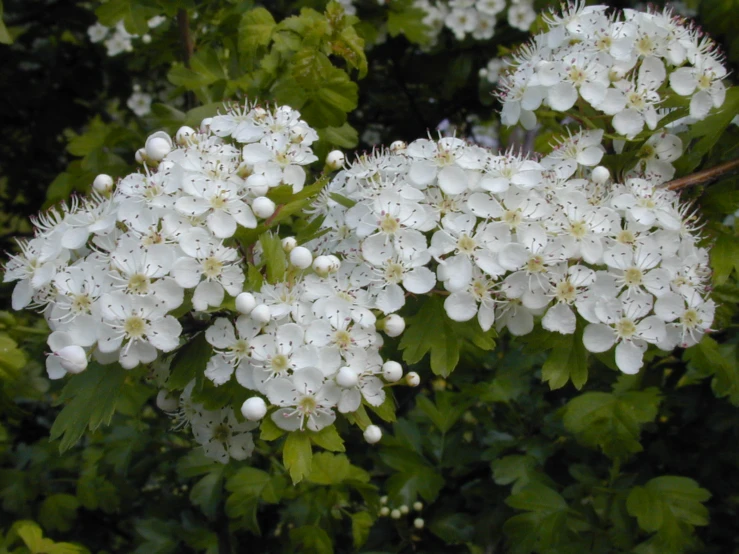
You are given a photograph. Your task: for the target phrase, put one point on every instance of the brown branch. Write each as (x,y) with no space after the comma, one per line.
(703,176)
(188,47)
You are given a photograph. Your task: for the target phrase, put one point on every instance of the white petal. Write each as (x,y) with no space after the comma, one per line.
(560,318)
(460,306)
(629,357)
(598,337)
(419,280)
(453,180)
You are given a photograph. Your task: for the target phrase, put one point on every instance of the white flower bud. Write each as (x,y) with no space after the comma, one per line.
(412,379)
(261,314)
(254,408)
(245,303)
(263,207)
(392,371)
(372,434)
(384,511)
(157,147)
(205,125)
(289,244)
(418,506)
(301,257)
(167,402)
(324,265)
(335,159)
(183,135)
(103,183)
(600,175)
(257,184)
(347,378)
(336,262)
(140,155)
(418,523)
(395,514)
(383,500)
(146,39)
(394,325)
(72,358)
(404,509)
(398,146)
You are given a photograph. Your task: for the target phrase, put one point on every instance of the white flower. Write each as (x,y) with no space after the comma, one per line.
(231,352)
(306,399)
(222,436)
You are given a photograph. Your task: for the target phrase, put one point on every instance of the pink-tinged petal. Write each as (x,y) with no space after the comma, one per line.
(460,306)
(629,357)
(598,337)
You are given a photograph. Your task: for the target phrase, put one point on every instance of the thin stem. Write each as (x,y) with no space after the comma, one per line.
(188,47)
(704,176)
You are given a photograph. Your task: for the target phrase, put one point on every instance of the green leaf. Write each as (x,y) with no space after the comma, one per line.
(311,540)
(536,497)
(568,360)
(189,362)
(248,486)
(447,411)
(414,477)
(329,439)
(544,525)
(31,535)
(274,257)
(724,257)
(345,136)
(670,506)
(709,358)
(440,339)
(207,493)
(409,23)
(361,524)
(517,470)
(255,30)
(453,528)
(58,512)
(329,469)
(350,46)
(5,37)
(612,421)
(268,430)
(90,399)
(297,455)
(133,14)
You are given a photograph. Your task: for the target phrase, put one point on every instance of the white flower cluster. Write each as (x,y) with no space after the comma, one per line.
(513,240)
(108,270)
(475,18)
(621,65)
(116,39)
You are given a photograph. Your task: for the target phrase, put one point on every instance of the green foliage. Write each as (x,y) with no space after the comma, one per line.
(90,399)
(297,455)
(612,421)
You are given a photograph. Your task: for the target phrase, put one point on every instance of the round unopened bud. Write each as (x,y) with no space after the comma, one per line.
(398,146)
(394,325)
(600,175)
(384,511)
(301,257)
(254,408)
(146,39)
(418,506)
(140,155)
(167,402)
(413,379)
(323,265)
(404,509)
(245,303)
(372,434)
(418,523)
(347,377)
(103,183)
(392,371)
(289,244)
(183,135)
(335,159)
(72,358)
(257,184)
(263,207)
(395,514)
(261,314)
(157,147)
(383,500)
(205,124)
(336,262)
